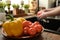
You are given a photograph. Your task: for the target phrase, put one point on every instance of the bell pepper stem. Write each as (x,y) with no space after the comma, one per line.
(11,17)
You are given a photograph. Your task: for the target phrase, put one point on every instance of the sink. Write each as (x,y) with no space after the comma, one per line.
(53,25)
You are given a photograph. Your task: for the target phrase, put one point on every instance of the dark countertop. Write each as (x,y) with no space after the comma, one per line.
(43,36)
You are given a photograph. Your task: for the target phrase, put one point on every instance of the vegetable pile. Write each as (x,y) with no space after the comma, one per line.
(20,26)
(31,28)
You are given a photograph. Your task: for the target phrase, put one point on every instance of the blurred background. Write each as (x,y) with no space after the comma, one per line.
(26,7)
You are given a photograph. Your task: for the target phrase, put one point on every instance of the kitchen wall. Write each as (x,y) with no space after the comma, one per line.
(46,3)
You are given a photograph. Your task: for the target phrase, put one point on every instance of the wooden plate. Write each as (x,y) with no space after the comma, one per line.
(22,37)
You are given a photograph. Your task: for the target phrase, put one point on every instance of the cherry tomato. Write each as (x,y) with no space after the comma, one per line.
(32,31)
(38,28)
(26,30)
(26,23)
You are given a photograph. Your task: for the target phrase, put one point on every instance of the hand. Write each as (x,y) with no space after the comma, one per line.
(42,14)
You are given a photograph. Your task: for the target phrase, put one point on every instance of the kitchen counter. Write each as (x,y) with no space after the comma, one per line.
(50,36)
(43,36)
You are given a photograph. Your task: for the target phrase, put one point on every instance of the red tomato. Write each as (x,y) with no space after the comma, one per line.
(32,31)
(31,25)
(26,30)
(26,23)
(35,23)
(38,28)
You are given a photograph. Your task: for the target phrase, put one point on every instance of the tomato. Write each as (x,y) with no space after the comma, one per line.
(26,30)
(32,31)
(35,23)
(38,28)
(31,25)
(26,23)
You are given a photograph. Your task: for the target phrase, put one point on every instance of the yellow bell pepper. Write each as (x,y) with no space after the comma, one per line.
(21,19)
(13,27)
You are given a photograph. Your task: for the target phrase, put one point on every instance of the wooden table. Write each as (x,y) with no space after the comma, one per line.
(43,36)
